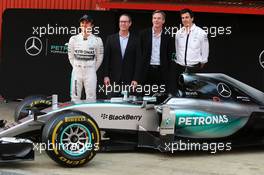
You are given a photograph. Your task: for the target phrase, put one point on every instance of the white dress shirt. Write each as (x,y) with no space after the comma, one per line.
(191,47)
(155,53)
(123,43)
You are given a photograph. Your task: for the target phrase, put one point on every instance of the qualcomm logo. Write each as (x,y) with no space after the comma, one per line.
(261,59)
(223,90)
(33,46)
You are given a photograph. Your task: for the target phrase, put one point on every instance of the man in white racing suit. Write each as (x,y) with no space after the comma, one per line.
(85,53)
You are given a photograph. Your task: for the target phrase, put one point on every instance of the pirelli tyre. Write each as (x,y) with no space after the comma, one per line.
(37,102)
(71,138)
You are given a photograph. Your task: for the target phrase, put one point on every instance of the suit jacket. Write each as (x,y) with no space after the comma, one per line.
(120,69)
(167,49)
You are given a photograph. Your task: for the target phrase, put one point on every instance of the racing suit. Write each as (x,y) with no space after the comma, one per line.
(85,56)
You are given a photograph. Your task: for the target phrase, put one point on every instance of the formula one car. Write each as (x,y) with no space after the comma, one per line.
(207,108)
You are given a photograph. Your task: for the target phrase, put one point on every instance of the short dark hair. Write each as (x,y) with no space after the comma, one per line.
(127,15)
(87,18)
(161,12)
(187,11)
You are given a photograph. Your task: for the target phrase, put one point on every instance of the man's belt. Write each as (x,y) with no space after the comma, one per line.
(194,66)
(154,66)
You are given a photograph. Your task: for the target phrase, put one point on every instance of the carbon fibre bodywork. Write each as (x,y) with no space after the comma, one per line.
(12,149)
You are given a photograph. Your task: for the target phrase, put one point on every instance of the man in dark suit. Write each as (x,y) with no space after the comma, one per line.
(122,56)
(157,51)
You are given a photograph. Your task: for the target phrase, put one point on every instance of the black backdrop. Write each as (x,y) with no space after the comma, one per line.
(236,43)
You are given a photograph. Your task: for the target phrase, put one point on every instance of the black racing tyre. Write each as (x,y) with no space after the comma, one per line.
(71,138)
(36,101)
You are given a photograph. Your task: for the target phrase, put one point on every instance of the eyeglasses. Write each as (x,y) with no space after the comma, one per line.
(124,21)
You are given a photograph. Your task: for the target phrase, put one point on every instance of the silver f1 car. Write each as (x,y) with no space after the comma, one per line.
(207,108)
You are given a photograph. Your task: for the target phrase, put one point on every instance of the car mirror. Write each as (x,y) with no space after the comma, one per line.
(150,99)
(146,100)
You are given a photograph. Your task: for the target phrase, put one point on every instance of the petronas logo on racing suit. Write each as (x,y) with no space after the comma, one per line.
(87,55)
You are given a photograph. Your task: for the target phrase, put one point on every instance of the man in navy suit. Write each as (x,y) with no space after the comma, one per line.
(122,63)
(157,51)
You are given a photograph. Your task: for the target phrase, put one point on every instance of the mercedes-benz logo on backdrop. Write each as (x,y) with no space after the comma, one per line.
(223,90)
(261,59)
(33,46)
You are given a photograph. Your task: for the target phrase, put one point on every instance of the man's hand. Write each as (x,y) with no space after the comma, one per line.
(106,81)
(202,65)
(134,84)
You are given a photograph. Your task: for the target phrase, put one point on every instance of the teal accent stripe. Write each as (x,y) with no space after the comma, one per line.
(227,126)
(94,105)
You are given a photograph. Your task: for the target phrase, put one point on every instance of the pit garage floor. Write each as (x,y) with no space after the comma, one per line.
(239,161)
